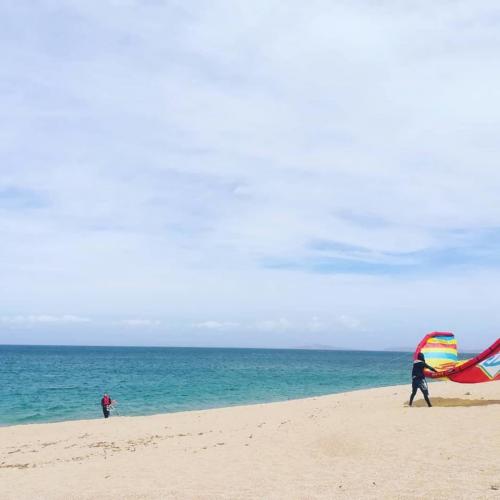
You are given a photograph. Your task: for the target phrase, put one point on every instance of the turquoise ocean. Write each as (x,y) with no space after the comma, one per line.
(55,383)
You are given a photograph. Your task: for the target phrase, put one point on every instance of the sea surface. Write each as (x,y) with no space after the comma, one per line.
(53,383)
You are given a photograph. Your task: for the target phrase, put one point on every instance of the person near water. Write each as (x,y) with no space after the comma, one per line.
(418,378)
(106,403)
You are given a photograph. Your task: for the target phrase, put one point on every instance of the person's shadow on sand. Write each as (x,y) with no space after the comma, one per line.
(451,402)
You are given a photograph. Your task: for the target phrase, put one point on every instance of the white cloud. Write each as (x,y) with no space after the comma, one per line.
(216,325)
(43,319)
(139,323)
(274,325)
(349,322)
(316,324)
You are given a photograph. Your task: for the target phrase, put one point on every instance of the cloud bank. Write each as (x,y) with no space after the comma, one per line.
(252,162)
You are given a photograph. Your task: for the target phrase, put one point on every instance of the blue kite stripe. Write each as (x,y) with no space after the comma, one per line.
(440,355)
(446,338)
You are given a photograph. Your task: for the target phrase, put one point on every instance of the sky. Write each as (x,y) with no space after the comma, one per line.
(254,174)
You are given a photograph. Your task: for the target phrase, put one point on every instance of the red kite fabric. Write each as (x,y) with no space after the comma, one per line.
(440,351)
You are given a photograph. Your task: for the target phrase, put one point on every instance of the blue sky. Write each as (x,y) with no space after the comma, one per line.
(249,173)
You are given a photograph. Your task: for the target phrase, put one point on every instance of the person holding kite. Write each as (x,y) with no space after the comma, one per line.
(418,378)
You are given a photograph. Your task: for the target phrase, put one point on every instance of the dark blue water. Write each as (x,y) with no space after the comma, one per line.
(52,383)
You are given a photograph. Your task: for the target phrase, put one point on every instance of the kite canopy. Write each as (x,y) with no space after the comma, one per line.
(440,351)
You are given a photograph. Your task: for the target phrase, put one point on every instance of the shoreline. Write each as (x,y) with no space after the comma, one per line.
(177,380)
(238,405)
(351,444)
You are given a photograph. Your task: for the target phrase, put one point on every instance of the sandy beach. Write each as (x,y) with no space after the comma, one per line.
(363,444)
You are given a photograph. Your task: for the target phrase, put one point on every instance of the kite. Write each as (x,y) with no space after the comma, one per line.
(440,351)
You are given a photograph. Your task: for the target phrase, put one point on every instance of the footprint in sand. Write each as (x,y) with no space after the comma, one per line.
(51,443)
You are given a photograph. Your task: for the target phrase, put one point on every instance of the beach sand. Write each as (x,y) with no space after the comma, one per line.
(362,444)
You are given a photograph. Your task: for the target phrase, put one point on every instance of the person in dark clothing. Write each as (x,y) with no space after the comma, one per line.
(418,379)
(106,403)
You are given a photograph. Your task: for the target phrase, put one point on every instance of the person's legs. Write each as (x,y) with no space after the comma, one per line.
(413,392)
(425,391)
(105,411)
(426,397)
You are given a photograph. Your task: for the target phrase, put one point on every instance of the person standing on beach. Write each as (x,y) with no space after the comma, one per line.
(106,403)
(418,378)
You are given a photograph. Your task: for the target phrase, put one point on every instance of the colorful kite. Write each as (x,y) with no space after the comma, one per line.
(440,351)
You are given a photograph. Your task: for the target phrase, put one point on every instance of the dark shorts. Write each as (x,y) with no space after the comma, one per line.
(105,411)
(419,383)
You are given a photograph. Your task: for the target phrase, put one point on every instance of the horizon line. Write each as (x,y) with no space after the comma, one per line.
(298,348)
